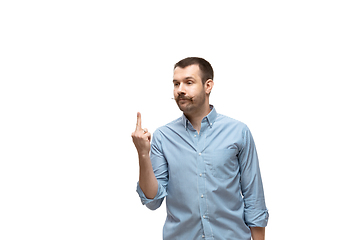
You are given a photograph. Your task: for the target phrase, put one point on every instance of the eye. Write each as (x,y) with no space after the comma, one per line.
(189,83)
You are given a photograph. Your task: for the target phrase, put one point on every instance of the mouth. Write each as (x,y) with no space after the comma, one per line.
(183,99)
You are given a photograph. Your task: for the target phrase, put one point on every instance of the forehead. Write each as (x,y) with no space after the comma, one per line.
(192,71)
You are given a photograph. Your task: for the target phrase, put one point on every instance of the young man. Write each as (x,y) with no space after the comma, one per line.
(204,163)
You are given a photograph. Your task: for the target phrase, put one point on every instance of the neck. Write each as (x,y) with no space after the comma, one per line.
(196,117)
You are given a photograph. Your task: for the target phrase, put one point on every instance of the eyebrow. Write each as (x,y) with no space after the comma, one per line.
(187,78)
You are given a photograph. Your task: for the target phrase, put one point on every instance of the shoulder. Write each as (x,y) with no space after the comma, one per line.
(167,128)
(232,126)
(226,121)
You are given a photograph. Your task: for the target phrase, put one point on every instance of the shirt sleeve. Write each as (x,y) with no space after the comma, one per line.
(160,168)
(256,213)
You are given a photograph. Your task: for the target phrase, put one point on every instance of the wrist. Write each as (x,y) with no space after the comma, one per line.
(143,155)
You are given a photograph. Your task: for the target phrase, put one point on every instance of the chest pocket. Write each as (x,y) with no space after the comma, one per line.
(223,163)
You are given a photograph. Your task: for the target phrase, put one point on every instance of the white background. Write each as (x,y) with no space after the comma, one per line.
(74,73)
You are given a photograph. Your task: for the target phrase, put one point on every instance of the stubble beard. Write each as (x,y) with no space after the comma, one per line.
(193,104)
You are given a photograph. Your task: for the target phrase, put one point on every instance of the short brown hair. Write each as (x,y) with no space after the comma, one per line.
(206,69)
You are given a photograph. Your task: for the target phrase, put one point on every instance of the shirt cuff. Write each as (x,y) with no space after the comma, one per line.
(256,218)
(161,193)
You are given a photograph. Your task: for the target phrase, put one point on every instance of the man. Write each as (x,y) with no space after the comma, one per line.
(204,163)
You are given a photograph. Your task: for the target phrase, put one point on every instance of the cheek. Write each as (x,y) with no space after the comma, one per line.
(197,91)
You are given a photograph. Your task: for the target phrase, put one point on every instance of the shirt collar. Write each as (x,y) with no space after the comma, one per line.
(210,118)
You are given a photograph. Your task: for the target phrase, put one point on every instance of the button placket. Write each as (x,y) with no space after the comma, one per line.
(202,178)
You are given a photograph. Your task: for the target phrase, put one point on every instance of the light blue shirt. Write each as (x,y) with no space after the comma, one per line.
(211,180)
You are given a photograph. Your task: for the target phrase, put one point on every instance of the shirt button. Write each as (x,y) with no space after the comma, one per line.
(202,196)
(195,135)
(199,154)
(204,216)
(200,174)
(203,236)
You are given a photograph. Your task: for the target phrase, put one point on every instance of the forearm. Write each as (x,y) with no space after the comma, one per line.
(257,233)
(147,180)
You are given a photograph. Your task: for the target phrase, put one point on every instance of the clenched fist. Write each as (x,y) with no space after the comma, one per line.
(141,138)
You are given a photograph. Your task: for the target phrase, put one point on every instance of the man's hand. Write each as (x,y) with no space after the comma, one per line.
(141,138)
(147,180)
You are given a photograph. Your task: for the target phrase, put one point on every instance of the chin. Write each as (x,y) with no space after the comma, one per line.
(182,108)
(187,109)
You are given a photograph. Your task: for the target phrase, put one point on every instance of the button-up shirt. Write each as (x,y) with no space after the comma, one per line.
(211,179)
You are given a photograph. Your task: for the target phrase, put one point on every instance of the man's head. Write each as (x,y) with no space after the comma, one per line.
(206,69)
(193,81)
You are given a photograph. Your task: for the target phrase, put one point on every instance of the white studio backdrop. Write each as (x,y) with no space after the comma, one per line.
(74,73)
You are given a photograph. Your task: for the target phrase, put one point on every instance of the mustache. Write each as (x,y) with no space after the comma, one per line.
(182,97)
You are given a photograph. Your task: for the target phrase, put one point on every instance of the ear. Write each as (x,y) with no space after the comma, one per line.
(208,86)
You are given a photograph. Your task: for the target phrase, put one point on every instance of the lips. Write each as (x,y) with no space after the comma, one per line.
(184,98)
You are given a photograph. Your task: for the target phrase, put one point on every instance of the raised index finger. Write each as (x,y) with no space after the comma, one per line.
(138,123)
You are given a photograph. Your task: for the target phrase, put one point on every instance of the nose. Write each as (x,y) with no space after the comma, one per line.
(181,89)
